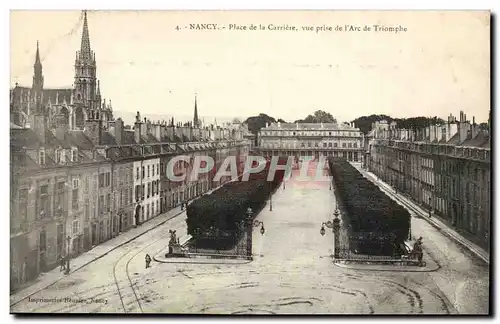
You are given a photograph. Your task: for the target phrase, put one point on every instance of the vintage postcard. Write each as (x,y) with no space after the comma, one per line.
(250,162)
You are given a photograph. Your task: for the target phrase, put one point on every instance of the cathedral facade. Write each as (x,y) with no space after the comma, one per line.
(69,107)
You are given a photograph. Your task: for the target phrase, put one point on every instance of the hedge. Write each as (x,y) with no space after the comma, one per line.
(226,207)
(377,221)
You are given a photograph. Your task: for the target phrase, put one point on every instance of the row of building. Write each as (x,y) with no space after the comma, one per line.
(446,168)
(79,177)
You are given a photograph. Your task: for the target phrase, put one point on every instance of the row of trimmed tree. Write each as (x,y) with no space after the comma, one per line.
(218,217)
(378,225)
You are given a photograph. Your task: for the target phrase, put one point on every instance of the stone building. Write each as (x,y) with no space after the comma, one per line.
(306,139)
(445,168)
(75,171)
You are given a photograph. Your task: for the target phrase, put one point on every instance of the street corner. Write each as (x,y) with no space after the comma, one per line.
(197,259)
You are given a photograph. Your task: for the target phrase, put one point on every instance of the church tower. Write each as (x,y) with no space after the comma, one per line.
(85,91)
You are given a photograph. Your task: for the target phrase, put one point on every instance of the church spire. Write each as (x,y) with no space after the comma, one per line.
(196,122)
(37,71)
(85,50)
(38,62)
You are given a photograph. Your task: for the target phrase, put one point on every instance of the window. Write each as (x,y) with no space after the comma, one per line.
(44,201)
(41,156)
(309,144)
(148,171)
(143,168)
(121,198)
(108,179)
(355,145)
(74,155)
(137,192)
(147,210)
(149,189)
(74,199)
(157,209)
(101,180)
(75,227)
(86,210)
(334,144)
(130,194)
(143,191)
(153,170)
(137,177)
(60,194)
(101,204)
(343,145)
(152,209)
(76,183)
(23,204)
(108,202)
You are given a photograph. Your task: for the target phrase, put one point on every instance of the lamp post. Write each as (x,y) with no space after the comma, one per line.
(335,226)
(67,256)
(249,228)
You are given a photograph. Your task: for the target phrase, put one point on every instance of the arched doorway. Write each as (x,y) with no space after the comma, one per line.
(43,250)
(137,214)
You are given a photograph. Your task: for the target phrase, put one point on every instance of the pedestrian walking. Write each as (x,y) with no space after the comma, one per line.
(148,261)
(62,263)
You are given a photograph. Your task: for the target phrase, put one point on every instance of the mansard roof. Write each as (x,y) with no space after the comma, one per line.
(310,126)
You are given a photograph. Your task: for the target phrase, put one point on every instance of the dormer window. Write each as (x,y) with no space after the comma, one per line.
(58,155)
(41,156)
(74,154)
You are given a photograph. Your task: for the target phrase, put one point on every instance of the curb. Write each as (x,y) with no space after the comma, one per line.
(195,262)
(455,239)
(395,269)
(97,258)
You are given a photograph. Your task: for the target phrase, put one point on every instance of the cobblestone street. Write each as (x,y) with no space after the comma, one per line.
(292,273)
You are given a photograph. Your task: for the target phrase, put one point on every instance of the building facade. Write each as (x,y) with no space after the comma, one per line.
(305,139)
(80,180)
(445,168)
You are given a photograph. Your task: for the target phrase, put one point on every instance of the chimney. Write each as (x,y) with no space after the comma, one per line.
(138,129)
(119,131)
(171,132)
(474,128)
(463,128)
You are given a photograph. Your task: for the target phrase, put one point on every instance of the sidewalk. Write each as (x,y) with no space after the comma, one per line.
(423,213)
(49,278)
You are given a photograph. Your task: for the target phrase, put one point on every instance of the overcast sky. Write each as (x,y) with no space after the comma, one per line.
(439,66)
